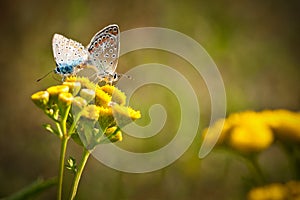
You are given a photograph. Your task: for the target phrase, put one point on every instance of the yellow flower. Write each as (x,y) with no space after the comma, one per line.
(274,191)
(112,135)
(55,90)
(294,188)
(65,98)
(252,136)
(91,119)
(251,131)
(285,124)
(85,82)
(246,131)
(106,117)
(124,115)
(40,98)
(221,127)
(116,94)
(102,98)
(74,87)
(133,114)
(91,112)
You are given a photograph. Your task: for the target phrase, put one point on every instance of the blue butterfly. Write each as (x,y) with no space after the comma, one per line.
(102,53)
(69,55)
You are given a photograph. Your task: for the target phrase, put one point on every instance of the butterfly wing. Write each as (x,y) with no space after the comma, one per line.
(68,54)
(104,50)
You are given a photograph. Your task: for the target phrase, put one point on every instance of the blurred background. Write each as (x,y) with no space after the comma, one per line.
(255,45)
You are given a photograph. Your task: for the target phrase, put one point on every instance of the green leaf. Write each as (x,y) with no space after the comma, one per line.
(32,190)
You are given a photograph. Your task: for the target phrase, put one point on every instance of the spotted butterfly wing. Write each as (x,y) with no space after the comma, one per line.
(69,55)
(104,50)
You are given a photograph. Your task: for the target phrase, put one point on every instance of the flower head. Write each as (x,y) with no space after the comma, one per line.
(289,190)
(106,117)
(251,131)
(124,115)
(273,191)
(102,98)
(285,124)
(40,98)
(93,114)
(116,94)
(74,87)
(84,82)
(114,134)
(55,90)
(65,98)
(251,137)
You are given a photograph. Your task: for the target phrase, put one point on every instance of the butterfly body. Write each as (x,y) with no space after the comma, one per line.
(67,69)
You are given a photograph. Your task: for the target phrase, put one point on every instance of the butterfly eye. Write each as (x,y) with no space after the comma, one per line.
(115,76)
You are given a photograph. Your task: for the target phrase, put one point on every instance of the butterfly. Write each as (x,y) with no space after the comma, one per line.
(70,56)
(104,51)
(102,54)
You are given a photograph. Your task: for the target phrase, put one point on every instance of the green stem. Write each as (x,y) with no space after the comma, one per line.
(64,120)
(63,148)
(78,174)
(77,116)
(253,166)
(293,157)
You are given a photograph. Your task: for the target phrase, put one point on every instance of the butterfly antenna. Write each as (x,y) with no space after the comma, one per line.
(126,76)
(43,76)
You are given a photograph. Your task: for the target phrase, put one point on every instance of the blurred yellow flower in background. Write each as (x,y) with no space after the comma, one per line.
(284,123)
(251,131)
(276,191)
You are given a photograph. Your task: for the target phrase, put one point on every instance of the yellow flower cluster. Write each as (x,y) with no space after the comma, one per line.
(276,191)
(98,112)
(251,131)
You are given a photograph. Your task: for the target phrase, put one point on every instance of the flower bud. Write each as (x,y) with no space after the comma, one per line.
(66,98)
(87,94)
(74,87)
(78,104)
(91,112)
(55,90)
(64,101)
(113,134)
(40,98)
